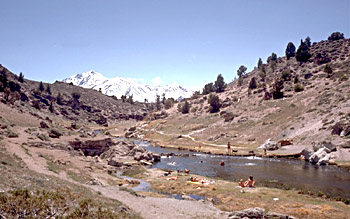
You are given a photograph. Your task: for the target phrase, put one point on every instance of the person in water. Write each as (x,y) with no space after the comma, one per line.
(228,146)
(250,182)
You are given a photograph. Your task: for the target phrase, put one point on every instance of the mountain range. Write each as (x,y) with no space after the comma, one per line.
(119,86)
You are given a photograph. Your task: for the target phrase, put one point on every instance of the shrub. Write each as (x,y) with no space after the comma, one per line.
(262,75)
(336,36)
(328,69)
(252,83)
(169,103)
(277,89)
(272,57)
(240,81)
(286,75)
(185,108)
(76,95)
(214,102)
(208,88)
(298,87)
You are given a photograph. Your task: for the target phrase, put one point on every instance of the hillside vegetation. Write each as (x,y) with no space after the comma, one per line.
(300,102)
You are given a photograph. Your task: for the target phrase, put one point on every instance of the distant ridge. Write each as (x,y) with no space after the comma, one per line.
(119,86)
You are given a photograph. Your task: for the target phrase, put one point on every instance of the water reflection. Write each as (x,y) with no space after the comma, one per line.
(293,173)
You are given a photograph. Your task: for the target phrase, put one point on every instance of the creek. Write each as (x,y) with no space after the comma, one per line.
(281,173)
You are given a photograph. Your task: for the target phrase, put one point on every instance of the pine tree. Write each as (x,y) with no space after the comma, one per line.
(220,84)
(260,63)
(21,77)
(308,41)
(303,54)
(158,103)
(290,50)
(48,89)
(59,99)
(241,71)
(41,86)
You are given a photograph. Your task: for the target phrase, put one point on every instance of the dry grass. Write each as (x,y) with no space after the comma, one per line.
(230,198)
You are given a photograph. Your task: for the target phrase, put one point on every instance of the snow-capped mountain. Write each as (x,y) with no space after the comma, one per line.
(119,86)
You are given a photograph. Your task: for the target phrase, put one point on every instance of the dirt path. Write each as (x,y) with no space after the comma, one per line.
(151,207)
(147,207)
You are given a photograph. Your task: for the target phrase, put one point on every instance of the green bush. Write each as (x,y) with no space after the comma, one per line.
(286,75)
(214,102)
(298,87)
(336,36)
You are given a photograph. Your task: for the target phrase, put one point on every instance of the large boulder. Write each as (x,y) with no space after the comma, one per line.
(307,153)
(318,155)
(269,145)
(92,147)
(341,128)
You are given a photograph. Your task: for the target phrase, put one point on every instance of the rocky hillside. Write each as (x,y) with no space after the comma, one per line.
(66,101)
(298,105)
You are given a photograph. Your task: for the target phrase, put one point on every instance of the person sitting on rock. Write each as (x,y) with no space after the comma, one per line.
(250,182)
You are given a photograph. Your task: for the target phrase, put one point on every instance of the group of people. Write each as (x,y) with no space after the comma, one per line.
(248,183)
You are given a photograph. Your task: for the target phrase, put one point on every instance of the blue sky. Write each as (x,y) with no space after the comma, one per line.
(185,41)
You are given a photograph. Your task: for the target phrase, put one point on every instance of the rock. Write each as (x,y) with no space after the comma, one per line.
(345,145)
(94,182)
(306,153)
(285,142)
(326,159)
(318,155)
(115,163)
(341,128)
(54,133)
(156,157)
(187,197)
(269,145)
(324,144)
(228,117)
(132,129)
(44,125)
(257,213)
(92,147)
(248,213)
(274,215)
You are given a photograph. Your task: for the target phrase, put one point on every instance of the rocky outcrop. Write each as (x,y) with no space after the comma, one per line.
(269,145)
(257,213)
(324,144)
(54,133)
(341,128)
(92,147)
(322,156)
